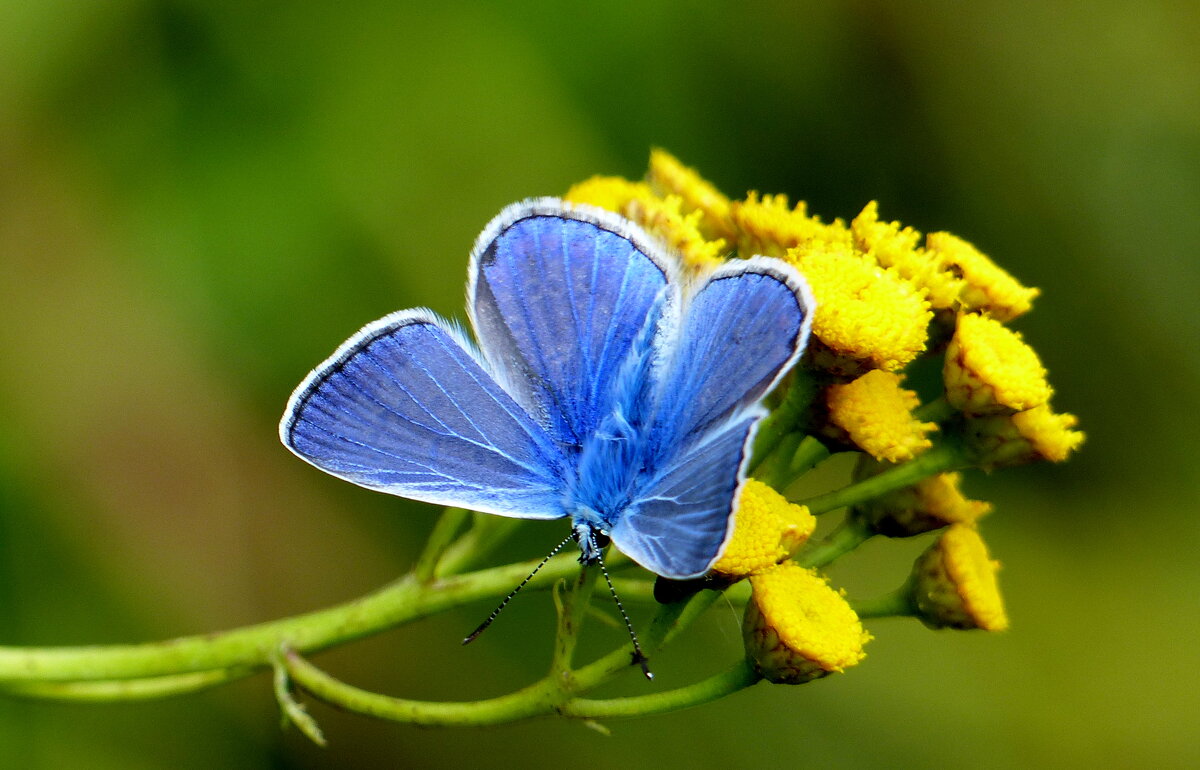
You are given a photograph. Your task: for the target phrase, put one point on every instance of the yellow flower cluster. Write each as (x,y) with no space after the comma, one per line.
(887,297)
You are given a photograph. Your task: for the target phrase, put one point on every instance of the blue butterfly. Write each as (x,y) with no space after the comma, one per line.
(607,387)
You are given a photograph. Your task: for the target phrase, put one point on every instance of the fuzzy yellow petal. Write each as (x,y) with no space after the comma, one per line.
(867,317)
(987,286)
(1035,434)
(989,368)
(766,529)
(670,177)
(875,414)
(663,218)
(954,583)
(768,225)
(608,192)
(930,504)
(797,628)
(891,245)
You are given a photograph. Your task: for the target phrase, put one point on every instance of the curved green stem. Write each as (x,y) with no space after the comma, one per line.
(440,539)
(943,457)
(898,603)
(784,419)
(542,697)
(109,690)
(938,410)
(849,535)
(252,646)
(740,676)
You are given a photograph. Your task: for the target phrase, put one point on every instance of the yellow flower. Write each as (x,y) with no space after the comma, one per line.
(875,413)
(769,226)
(989,369)
(987,286)
(608,192)
(892,246)
(681,234)
(867,317)
(929,504)
(954,583)
(797,628)
(670,177)
(1034,434)
(766,529)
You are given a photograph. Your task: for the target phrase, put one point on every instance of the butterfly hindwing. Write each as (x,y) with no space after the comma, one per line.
(405,407)
(739,332)
(558,296)
(679,525)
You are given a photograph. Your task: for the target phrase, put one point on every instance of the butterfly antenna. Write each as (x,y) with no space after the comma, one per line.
(639,657)
(483,626)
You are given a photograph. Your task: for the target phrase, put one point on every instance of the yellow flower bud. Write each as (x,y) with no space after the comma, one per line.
(768,225)
(670,177)
(766,530)
(874,413)
(797,628)
(866,318)
(1034,434)
(987,287)
(608,192)
(681,234)
(890,245)
(930,504)
(989,369)
(954,583)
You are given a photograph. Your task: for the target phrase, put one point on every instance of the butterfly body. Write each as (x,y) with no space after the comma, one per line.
(606,388)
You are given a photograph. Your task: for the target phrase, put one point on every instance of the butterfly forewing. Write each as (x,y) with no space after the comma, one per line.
(404,407)
(559,296)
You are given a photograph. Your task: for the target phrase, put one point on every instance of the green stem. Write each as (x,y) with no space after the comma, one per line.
(898,603)
(740,676)
(938,410)
(486,534)
(572,606)
(542,697)
(785,417)
(943,457)
(252,646)
(850,535)
(442,536)
(108,690)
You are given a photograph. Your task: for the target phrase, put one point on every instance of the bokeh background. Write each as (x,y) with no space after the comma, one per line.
(200,200)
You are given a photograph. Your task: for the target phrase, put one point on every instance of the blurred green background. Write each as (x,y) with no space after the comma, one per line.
(200,200)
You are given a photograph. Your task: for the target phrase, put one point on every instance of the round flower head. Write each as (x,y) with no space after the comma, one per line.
(986,286)
(874,413)
(930,504)
(1034,434)
(670,177)
(891,245)
(769,226)
(866,318)
(989,369)
(608,192)
(797,628)
(766,530)
(954,583)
